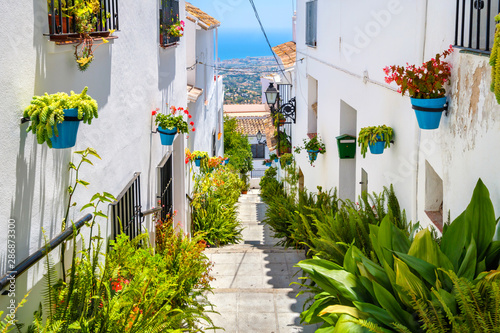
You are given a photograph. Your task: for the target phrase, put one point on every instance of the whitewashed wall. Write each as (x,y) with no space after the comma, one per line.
(356,40)
(129,77)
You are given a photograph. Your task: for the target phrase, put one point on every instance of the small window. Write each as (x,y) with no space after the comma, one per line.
(259,151)
(169,15)
(311,22)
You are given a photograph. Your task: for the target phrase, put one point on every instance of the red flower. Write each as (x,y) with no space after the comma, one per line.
(194,129)
(187,160)
(190,116)
(186,111)
(153,113)
(191,123)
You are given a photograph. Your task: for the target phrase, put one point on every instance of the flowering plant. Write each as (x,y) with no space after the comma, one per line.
(191,156)
(266,161)
(172,120)
(426,81)
(214,162)
(314,144)
(176,29)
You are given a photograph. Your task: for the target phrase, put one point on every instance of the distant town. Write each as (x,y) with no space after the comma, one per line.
(242,78)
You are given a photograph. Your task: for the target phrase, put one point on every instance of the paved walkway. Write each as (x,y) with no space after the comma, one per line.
(252,287)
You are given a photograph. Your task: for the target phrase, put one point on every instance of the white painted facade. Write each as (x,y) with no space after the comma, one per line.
(129,77)
(343,74)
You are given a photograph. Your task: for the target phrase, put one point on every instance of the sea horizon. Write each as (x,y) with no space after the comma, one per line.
(239,44)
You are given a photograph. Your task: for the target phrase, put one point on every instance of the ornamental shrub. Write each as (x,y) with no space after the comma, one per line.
(215,195)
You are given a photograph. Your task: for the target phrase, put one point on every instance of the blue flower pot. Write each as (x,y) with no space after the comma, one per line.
(269,164)
(226,162)
(313,155)
(167,136)
(197,161)
(288,162)
(276,160)
(429,119)
(378,147)
(67,130)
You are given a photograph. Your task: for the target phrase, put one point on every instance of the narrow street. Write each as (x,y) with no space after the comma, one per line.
(252,290)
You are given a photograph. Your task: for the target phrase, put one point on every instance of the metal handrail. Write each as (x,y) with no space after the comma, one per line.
(35,257)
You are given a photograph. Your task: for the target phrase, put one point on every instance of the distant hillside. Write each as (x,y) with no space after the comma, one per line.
(242,78)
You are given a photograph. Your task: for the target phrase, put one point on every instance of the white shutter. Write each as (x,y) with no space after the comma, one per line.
(311,22)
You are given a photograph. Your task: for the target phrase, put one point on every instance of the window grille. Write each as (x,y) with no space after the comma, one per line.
(475,24)
(169,14)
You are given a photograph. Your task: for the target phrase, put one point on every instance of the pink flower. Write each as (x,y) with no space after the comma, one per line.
(182,23)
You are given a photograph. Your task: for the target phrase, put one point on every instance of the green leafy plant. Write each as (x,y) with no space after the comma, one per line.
(417,282)
(286,159)
(495,64)
(267,161)
(215,195)
(273,157)
(283,143)
(46,111)
(175,119)
(314,144)
(426,81)
(279,119)
(370,135)
(237,146)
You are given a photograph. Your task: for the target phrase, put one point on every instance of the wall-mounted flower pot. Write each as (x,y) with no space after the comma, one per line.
(167,136)
(428,111)
(197,161)
(276,160)
(313,155)
(67,130)
(378,147)
(268,164)
(226,162)
(347,146)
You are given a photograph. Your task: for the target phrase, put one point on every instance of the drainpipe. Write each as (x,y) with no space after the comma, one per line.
(417,129)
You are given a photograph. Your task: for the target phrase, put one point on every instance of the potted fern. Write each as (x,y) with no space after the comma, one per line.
(171,124)
(425,84)
(376,138)
(55,118)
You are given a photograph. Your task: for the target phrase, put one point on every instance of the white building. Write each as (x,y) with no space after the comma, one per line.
(342,48)
(205,86)
(129,77)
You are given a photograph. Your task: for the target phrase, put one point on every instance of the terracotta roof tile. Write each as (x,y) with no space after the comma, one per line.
(287,52)
(208,21)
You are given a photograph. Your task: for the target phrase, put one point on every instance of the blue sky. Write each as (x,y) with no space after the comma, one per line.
(239,15)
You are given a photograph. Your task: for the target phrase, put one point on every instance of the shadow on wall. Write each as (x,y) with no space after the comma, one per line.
(166,75)
(56,68)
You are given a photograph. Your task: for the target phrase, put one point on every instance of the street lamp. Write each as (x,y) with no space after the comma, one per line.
(259,138)
(271,95)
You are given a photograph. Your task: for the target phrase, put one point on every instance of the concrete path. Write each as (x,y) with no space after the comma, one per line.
(252,287)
